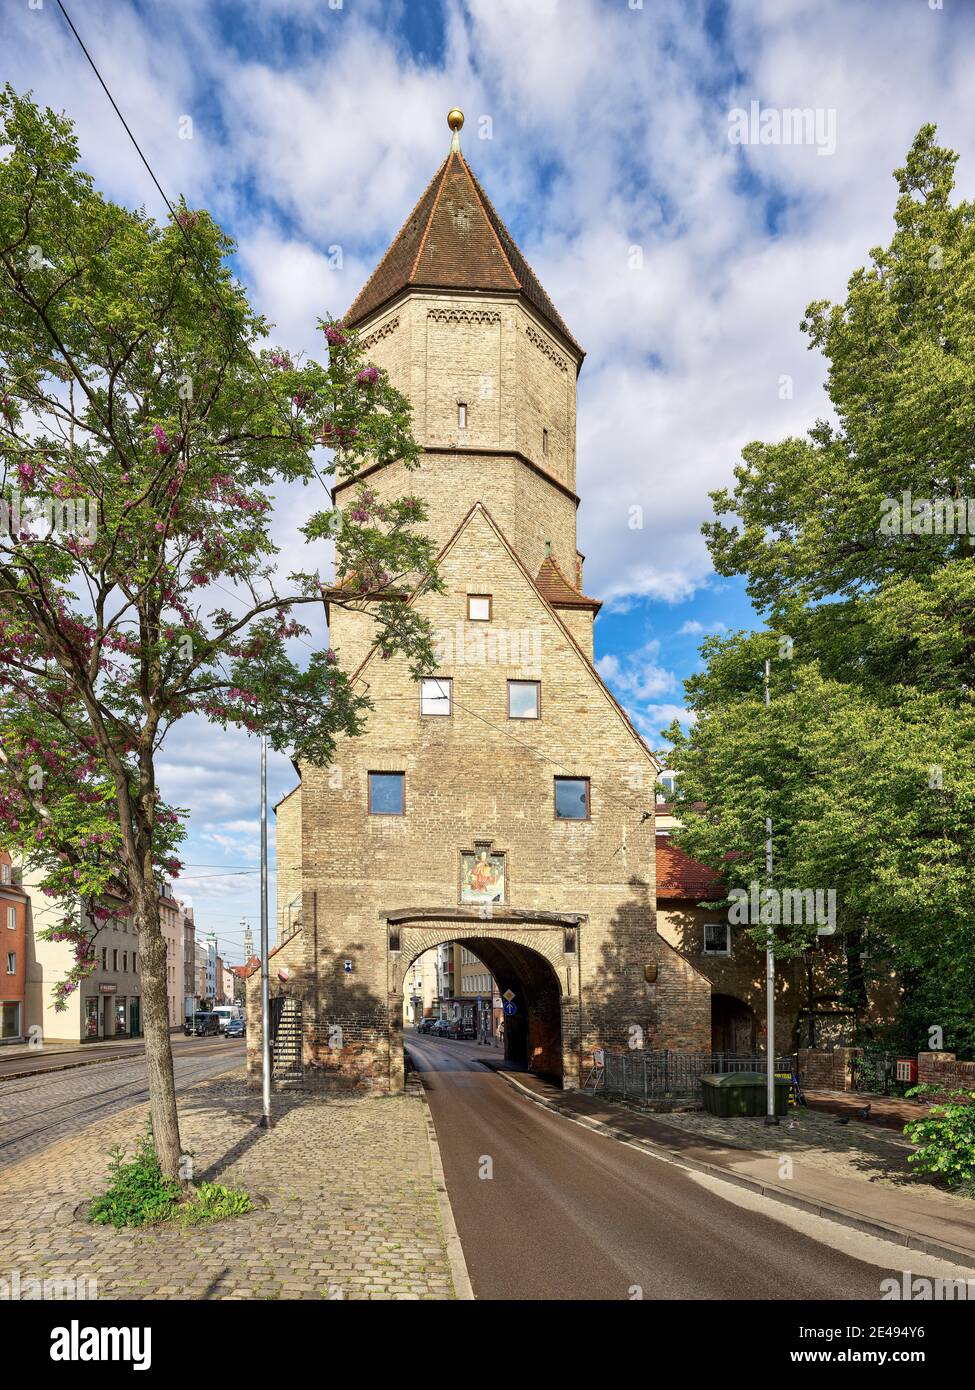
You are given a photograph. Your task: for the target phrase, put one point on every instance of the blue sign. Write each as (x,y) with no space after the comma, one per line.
(510,1007)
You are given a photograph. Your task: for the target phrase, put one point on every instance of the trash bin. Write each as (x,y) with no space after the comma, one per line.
(742,1093)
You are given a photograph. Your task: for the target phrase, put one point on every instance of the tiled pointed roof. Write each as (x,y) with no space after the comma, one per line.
(553,586)
(454,239)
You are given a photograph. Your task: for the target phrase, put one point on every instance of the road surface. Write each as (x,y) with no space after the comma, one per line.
(39,1110)
(570,1214)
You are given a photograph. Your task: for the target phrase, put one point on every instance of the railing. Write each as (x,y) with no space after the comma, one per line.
(645,1075)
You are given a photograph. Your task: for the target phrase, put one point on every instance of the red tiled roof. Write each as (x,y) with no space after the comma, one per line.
(680,876)
(553,586)
(454,239)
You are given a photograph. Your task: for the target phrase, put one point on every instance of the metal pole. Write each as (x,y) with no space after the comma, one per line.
(265,971)
(770,1116)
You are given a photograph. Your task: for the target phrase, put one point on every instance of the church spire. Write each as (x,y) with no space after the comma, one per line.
(454,239)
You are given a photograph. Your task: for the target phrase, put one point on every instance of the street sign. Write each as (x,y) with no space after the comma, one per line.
(510,1007)
(509,994)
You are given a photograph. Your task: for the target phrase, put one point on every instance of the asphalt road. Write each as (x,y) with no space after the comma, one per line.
(571,1214)
(46,1107)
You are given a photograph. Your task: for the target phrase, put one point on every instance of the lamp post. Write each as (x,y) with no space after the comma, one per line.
(770,1116)
(265,971)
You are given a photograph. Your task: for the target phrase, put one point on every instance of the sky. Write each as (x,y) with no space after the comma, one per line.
(681,258)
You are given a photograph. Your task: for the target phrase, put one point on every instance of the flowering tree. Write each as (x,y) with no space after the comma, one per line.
(142,429)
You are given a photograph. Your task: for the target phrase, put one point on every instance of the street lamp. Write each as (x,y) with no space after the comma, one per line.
(770,1116)
(265,972)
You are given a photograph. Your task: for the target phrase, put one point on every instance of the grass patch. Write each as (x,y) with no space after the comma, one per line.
(139,1194)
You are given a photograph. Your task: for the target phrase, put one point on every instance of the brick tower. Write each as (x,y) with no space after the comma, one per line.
(505,803)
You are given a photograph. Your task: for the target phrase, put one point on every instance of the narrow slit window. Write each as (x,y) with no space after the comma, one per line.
(544,441)
(461,415)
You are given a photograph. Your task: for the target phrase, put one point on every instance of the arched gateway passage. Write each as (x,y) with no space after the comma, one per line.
(536,960)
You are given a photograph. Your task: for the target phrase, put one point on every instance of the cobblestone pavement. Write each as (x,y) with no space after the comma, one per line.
(852,1150)
(349,1206)
(36,1111)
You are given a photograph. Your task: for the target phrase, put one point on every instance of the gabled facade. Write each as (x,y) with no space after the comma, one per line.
(508,803)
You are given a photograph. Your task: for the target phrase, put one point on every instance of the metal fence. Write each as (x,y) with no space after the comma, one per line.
(644,1075)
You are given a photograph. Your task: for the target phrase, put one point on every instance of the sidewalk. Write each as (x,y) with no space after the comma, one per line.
(347,1188)
(894,1204)
(893,1112)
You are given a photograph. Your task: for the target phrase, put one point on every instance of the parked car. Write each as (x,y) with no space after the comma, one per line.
(203,1026)
(426,1025)
(440,1028)
(236,1028)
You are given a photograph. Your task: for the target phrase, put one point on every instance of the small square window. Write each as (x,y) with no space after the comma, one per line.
(572,798)
(387,794)
(461,415)
(479,608)
(435,696)
(524,699)
(717,939)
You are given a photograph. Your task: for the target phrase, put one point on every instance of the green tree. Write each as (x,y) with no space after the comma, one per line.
(856,543)
(143,427)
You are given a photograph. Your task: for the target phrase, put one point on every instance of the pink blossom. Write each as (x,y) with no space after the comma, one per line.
(368,376)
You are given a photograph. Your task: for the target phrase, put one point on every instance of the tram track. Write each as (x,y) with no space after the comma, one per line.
(23,1135)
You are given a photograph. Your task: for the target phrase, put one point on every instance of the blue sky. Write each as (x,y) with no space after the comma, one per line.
(598,127)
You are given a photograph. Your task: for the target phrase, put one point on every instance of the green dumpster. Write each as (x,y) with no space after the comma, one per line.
(742,1093)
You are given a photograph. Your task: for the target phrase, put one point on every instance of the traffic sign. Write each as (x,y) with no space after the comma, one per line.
(510,1007)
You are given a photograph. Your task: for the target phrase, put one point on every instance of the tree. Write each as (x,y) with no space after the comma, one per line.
(857,547)
(143,427)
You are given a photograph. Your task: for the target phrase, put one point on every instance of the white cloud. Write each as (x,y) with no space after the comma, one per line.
(609,130)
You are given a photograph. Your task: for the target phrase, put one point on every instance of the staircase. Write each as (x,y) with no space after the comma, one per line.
(287,1066)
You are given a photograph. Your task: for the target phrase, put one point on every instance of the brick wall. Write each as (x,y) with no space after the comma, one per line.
(943,1069)
(827,1071)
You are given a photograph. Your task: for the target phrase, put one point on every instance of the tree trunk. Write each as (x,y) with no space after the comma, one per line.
(155,1015)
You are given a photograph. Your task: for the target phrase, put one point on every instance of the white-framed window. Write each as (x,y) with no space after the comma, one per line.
(11,962)
(436,696)
(717,939)
(461,415)
(667,779)
(11,918)
(479,608)
(4,873)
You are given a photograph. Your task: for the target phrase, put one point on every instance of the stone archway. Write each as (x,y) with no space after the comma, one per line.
(535,955)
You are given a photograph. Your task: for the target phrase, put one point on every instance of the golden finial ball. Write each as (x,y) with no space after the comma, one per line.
(455,118)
